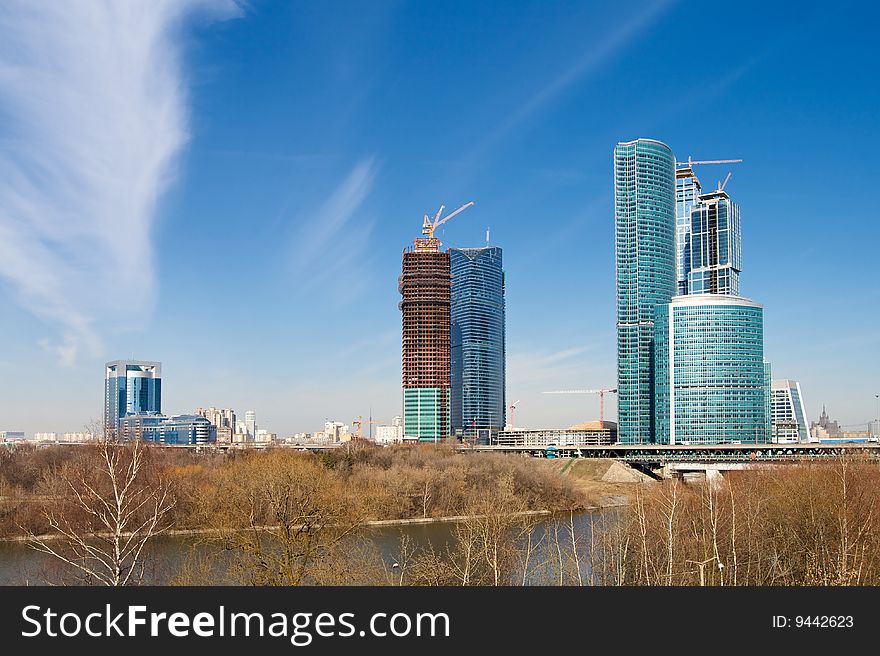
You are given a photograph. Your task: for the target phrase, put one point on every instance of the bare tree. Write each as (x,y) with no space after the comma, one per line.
(115,503)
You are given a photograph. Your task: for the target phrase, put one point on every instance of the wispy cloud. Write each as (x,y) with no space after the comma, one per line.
(592,60)
(329,245)
(93,111)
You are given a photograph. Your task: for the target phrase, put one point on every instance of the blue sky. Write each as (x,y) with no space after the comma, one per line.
(227,188)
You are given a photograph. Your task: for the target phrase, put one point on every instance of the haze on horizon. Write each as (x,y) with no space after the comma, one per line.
(226,187)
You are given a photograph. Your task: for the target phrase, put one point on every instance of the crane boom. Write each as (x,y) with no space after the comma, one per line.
(600,392)
(449,216)
(428,242)
(691,162)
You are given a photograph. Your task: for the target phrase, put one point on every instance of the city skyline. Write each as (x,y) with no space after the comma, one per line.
(301,148)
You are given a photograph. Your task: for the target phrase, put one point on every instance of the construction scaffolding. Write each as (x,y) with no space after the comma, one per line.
(425,288)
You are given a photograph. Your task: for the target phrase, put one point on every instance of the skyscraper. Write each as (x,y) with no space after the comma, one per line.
(788,415)
(131,387)
(477,342)
(644,214)
(687,192)
(710,371)
(250,421)
(715,245)
(425,288)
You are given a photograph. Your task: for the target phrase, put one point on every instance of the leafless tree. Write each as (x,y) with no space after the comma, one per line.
(115,502)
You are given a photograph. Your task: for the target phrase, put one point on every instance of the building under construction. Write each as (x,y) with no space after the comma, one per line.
(425,286)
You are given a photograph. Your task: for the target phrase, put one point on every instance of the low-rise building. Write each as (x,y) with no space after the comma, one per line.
(162,429)
(11,436)
(264,436)
(389,434)
(788,416)
(78,437)
(591,433)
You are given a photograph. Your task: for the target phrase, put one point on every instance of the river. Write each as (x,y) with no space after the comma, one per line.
(170,554)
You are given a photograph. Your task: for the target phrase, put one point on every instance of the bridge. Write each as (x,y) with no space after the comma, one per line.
(706,461)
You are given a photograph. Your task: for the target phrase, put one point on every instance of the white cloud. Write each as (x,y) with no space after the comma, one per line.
(92,115)
(330,245)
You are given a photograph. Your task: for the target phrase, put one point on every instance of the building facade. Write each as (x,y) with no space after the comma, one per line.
(711,376)
(250,423)
(687,193)
(645,254)
(131,387)
(425,289)
(788,414)
(594,433)
(715,246)
(223,420)
(477,337)
(173,430)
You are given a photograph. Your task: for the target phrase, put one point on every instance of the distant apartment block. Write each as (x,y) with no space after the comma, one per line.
(223,420)
(11,436)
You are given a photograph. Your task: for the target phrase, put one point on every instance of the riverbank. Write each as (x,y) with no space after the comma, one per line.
(602,482)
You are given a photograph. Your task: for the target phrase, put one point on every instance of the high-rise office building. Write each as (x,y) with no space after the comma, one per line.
(425,288)
(644,215)
(788,415)
(131,387)
(687,192)
(711,377)
(477,342)
(250,422)
(715,245)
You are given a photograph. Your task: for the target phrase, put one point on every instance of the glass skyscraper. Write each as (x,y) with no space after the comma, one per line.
(477,342)
(711,377)
(644,216)
(131,387)
(687,192)
(715,246)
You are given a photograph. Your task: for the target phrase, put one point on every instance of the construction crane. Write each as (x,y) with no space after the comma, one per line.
(359,422)
(600,392)
(512,408)
(429,242)
(689,163)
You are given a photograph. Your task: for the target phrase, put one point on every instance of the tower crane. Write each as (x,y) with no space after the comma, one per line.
(512,408)
(359,422)
(600,392)
(689,163)
(429,242)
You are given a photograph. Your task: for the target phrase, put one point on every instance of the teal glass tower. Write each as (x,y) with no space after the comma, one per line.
(477,342)
(711,378)
(644,216)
